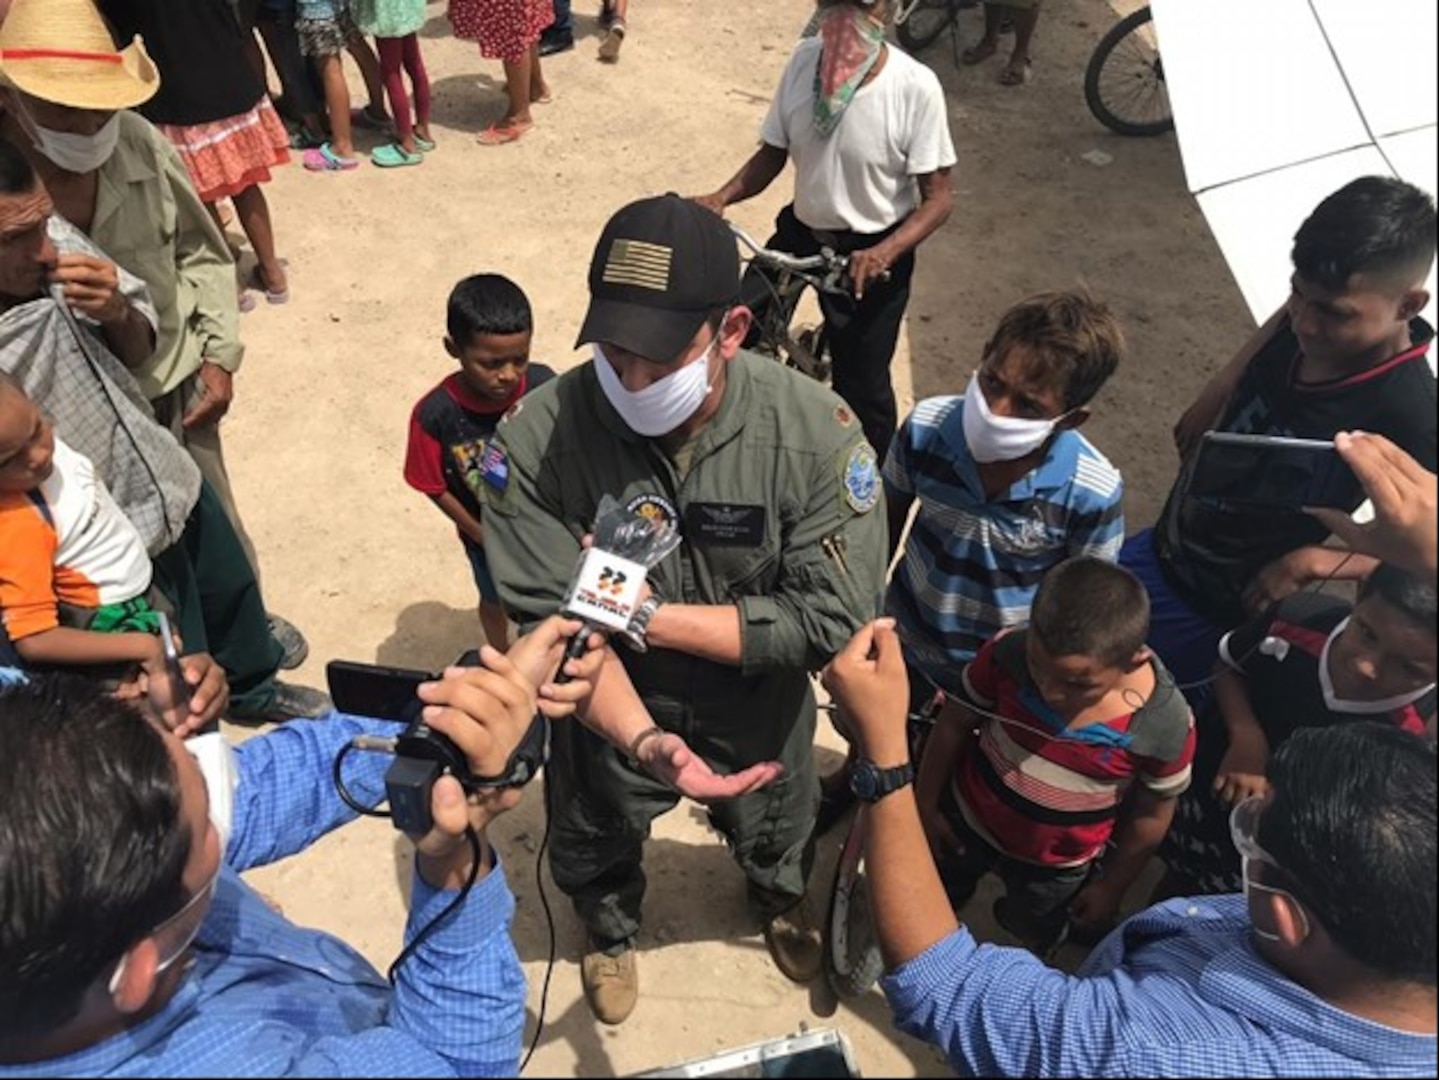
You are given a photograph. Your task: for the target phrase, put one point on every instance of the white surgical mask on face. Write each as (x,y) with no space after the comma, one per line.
(999,438)
(663,405)
(79,154)
(1333,701)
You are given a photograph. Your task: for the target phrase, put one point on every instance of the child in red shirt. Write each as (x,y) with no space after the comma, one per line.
(1034,775)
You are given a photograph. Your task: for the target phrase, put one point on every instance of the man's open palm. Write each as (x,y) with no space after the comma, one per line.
(669,760)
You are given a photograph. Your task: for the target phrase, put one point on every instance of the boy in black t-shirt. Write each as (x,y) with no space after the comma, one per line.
(1315,661)
(1347,352)
(490,327)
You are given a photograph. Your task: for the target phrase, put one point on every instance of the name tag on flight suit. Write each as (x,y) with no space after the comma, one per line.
(725,523)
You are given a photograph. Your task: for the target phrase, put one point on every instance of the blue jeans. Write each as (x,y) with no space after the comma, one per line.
(563,23)
(1185,640)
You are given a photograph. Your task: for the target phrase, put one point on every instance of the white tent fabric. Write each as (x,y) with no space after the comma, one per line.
(1278,103)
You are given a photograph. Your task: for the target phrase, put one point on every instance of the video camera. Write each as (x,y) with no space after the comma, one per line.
(422,754)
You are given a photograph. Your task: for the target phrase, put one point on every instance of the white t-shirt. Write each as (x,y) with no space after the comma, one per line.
(862,177)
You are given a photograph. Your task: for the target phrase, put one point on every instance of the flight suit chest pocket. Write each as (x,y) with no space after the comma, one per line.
(737,544)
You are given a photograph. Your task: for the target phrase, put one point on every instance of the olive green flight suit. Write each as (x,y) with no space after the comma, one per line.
(780,509)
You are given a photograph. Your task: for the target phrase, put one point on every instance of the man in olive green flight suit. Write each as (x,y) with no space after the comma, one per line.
(777,497)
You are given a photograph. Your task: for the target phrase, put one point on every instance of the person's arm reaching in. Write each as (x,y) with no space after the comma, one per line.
(1241,771)
(1405,529)
(911,910)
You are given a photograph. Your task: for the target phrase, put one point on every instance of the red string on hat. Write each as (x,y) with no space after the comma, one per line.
(59,54)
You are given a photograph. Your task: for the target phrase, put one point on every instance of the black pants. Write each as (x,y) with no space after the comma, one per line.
(208,579)
(862,334)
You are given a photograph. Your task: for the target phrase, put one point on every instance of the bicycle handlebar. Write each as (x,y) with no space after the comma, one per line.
(826,262)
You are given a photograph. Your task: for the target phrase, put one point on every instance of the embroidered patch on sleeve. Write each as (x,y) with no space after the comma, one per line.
(861,479)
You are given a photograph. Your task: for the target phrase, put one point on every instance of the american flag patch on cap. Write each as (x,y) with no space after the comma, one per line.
(639,263)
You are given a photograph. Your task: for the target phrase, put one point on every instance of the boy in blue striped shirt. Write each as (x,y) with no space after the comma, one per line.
(1007,489)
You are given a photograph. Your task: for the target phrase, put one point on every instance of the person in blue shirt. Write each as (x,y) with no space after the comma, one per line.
(1325,965)
(129,945)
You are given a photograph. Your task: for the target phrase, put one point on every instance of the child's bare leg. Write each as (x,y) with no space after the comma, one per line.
(518,74)
(337,103)
(369,65)
(254,214)
(495,625)
(539,89)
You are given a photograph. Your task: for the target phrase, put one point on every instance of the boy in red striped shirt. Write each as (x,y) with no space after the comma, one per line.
(1060,769)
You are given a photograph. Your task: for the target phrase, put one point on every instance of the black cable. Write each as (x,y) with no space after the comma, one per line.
(549,923)
(476,857)
(344,792)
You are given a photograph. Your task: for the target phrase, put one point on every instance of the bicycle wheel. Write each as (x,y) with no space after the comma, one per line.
(1124,83)
(925,23)
(852,960)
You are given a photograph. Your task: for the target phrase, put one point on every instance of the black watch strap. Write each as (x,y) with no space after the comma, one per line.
(870,783)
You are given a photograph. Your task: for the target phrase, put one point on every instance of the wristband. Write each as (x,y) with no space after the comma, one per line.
(642,738)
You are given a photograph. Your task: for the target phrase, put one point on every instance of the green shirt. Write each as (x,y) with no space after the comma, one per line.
(150,221)
(780,510)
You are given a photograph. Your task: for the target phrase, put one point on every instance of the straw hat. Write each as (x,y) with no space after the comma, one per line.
(61,51)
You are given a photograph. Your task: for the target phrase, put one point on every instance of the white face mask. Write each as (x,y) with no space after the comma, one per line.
(999,438)
(1336,703)
(663,405)
(78,154)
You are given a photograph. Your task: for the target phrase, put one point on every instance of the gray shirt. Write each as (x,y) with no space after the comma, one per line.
(63,363)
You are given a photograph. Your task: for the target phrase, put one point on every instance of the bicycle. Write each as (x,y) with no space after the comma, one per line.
(785,277)
(918,23)
(1124,83)
(852,960)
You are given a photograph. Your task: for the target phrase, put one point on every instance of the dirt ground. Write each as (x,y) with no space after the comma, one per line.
(370,571)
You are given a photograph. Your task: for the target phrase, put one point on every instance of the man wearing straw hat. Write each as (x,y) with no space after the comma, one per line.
(56,337)
(64,96)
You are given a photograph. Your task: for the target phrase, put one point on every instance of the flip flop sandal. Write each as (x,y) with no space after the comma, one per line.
(424,145)
(245,301)
(1015,76)
(325,159)
(393,155)
(500,134)
(257,282)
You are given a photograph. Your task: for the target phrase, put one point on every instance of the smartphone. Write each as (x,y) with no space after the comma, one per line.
(375,691)
(1271,470)
(182,688)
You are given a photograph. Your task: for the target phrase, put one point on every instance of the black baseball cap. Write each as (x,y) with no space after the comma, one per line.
(662,266)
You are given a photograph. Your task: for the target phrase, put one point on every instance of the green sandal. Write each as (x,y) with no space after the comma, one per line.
(393,155)
(424,145)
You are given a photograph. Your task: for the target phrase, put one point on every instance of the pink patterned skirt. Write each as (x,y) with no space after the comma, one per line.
(224,157)
(505,29)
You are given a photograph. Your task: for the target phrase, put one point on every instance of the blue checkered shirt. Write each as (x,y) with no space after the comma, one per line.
(264,997)
(1178,990)
(972,564)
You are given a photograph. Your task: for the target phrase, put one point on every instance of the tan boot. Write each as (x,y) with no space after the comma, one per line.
(796,942)
(612,985)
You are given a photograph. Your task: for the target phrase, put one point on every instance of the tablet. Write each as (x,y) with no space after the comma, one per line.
(1270,470)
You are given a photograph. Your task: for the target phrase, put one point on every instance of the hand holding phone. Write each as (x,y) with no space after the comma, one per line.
(169,691)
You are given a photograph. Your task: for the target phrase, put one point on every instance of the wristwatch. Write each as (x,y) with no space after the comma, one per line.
(870,783)
(635,634)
